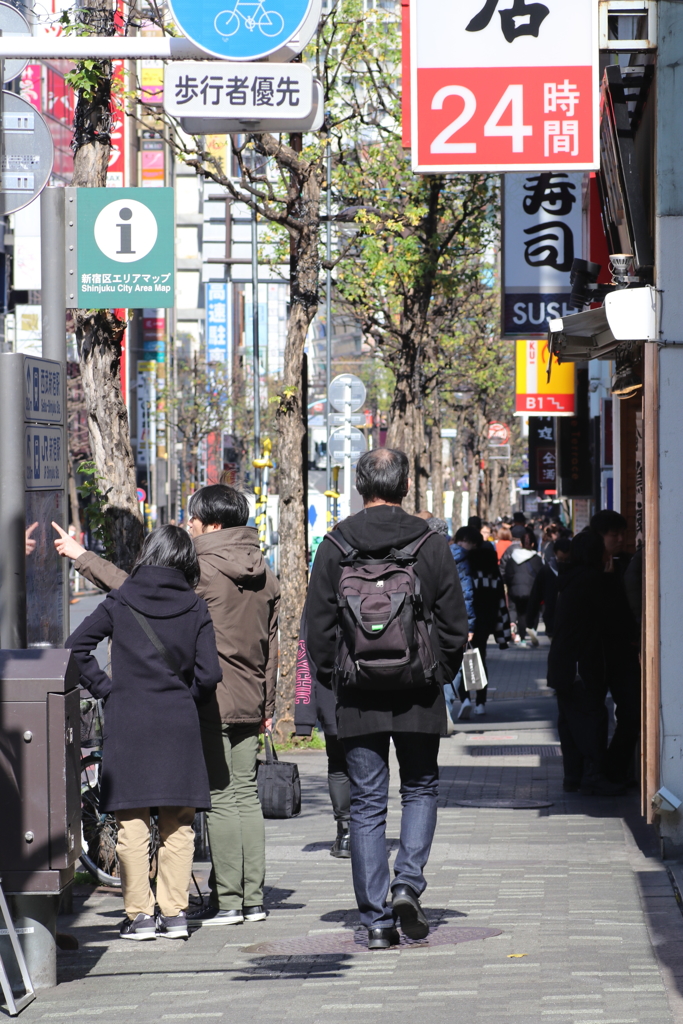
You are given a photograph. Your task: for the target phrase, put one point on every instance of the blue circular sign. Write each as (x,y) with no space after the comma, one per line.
(240,29)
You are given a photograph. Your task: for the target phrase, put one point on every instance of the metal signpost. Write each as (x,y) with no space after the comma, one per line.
(346,444)
(120,247)
(504,89)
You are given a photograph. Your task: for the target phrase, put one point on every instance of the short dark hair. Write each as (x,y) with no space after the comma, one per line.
(469,534)
(171,548)
(475,522)
(608,521)
(219,504)
(587,548)
(519,517)
(383,473)
(518,532)
(562,544)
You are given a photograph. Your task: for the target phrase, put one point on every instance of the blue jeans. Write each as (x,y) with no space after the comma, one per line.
(367,758)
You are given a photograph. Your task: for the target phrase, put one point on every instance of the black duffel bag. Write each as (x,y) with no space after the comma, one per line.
(279,785)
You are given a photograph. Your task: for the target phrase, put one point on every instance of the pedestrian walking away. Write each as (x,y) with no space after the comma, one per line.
(388,586)
(163,664)
(243,598)
(519,567)
(315,703)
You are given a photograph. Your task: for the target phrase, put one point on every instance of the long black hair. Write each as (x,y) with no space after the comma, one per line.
(171,548)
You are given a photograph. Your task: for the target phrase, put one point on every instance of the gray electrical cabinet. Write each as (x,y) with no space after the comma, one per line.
(40,800)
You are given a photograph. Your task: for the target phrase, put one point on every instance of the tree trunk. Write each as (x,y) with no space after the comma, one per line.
(98,331)
(73,497)
(99,341)
(293,541)
(437,458)
(406,428)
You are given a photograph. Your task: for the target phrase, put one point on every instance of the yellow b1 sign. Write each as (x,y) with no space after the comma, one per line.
(535,395)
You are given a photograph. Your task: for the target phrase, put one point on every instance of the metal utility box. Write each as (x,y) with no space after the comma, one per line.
(40,798)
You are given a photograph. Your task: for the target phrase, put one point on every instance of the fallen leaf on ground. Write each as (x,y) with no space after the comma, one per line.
(515,956)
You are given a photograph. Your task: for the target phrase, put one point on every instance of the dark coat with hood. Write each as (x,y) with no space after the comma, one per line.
(490,606)
(374,532)
(152,751)
(243,597)
(520,571)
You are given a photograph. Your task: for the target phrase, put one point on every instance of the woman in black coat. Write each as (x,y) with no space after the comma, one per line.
(163,663)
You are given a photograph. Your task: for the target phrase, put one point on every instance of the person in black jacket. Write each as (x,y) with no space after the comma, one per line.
(163,663)
(367,719)
(576,669)
(545,589)
(315,703)
(519,567)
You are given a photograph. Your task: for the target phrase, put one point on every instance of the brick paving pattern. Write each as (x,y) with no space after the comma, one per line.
(582,922)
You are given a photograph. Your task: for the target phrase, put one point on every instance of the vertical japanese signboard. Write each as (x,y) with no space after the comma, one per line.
(535,395)
(542,454)
(542,234)
(504,85)
(217,322)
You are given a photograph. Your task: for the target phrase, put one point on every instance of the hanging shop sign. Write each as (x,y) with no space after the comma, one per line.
(245,29)
(542,454)
(542,234)
(535,395)
(504,88)
(120,248)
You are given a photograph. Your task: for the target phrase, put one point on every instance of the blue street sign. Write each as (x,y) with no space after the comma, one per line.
(216,322)
(240,29)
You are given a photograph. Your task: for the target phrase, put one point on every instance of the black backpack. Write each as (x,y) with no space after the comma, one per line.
(383,633)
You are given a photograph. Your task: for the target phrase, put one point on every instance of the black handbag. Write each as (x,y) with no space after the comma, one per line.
(279,785)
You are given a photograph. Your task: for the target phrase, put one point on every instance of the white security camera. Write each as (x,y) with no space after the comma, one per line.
(664,800)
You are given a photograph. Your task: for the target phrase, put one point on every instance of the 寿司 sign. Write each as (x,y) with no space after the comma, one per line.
(535,395)
(504,85)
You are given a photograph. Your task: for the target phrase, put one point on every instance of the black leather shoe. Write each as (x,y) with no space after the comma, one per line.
(382,938)
(410,915)
(342,844)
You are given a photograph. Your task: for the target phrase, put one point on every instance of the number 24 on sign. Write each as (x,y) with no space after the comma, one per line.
(505,118)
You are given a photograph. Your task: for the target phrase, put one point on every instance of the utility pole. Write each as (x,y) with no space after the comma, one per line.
(328,321)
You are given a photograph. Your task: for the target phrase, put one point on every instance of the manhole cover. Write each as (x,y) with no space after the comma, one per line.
(515,805)
(548,751)
(357,942)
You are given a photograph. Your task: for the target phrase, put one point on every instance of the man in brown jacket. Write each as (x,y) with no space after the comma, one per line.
(243,597)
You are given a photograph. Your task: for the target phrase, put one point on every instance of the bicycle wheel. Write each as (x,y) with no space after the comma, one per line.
(226,23)
(271,23)
(99,831)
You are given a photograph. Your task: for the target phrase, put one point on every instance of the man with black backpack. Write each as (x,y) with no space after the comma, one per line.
(386,628)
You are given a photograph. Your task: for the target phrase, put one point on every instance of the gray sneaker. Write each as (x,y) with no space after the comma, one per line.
(204,916)
(173,927)
(141,928)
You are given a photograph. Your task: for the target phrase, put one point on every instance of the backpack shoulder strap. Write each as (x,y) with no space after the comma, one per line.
(152,636)
(411,550)
(340,542)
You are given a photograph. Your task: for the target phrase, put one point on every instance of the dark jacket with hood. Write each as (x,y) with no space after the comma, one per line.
(544,594)
(520,571)
(243,597)
(577,646)
(490,606)
(152,751)
(374,532)
(461,560)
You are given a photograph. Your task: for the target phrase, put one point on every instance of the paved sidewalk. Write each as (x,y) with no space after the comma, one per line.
(581,916)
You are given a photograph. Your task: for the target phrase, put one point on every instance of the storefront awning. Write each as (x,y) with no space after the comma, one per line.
(629,314)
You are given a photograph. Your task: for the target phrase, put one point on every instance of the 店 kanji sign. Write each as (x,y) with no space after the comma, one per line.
(535,395)
(120,248)
(504,85)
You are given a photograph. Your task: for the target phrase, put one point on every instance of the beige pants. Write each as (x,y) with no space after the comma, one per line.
(176,853)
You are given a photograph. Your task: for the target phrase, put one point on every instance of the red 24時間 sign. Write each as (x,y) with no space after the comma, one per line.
(504,85)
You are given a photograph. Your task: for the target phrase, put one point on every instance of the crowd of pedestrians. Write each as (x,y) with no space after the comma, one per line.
(394,605)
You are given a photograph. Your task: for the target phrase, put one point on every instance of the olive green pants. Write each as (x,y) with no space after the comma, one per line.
(235,822)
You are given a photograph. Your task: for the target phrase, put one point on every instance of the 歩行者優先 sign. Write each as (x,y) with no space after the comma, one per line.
(500,86)
(241,29)
(206,89)
(542,234)
(120,247)
(43,450)
(535,395)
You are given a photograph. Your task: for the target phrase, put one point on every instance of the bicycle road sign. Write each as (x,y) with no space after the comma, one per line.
(240,29)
